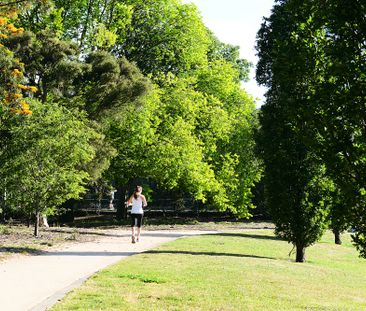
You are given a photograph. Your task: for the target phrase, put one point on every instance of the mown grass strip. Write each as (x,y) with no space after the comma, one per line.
(248,270)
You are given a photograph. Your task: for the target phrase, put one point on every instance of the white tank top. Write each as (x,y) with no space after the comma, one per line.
(137,206)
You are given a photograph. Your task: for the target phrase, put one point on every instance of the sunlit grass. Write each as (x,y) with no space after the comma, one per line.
(247,270)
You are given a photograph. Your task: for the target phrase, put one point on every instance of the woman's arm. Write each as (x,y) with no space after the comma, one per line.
(144,202)
(129,201)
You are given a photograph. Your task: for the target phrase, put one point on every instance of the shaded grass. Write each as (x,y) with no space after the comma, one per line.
(248,270)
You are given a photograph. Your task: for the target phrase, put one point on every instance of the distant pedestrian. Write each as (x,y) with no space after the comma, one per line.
(138,202)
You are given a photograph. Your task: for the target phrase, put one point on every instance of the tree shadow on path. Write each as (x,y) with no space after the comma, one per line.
(90,253)
(158,234)
(21,250)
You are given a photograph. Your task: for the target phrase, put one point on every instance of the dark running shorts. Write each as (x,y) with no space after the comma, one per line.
(136,220)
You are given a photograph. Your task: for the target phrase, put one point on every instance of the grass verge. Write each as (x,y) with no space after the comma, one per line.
(247,270)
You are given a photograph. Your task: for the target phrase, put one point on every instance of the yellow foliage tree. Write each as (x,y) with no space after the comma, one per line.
(12,90)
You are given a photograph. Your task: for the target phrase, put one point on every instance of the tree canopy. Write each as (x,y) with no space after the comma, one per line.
(159,94)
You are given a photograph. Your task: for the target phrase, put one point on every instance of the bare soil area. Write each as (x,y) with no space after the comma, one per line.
(19,239)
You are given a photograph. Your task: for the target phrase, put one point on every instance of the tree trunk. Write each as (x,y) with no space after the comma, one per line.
(36,225)
(337,237)
(44,221)
(122,206)
(85,26)
(29,219)
(300,253)
(125,205)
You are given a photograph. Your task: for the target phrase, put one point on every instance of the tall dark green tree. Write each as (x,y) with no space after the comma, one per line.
(317,50)
(108,84)
(338,208)
(291,179)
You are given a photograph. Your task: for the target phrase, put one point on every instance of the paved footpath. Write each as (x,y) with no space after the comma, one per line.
(34,283)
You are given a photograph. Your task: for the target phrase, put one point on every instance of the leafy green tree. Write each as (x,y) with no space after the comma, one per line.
(109,89)
(165,36)
(13,105)
(229,53)
(228,135)
(179,154)
(157,142)
(43,166)
(84,22)
(315,55)
(54,66)
(212,131)
(159,36)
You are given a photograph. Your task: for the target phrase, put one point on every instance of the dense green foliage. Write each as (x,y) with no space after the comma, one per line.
(43,164)
(312,55)
(159,91)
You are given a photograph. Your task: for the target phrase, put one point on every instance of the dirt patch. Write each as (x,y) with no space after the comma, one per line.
(19,240)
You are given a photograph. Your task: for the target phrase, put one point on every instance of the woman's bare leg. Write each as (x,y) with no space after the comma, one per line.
(138,233)
(133,234)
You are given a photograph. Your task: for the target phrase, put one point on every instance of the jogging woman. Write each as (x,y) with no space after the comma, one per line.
(138,202)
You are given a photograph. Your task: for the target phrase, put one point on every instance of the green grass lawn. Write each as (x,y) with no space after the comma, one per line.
(248,270)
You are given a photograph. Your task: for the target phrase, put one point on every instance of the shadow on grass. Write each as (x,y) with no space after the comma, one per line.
(122,254)
(21,250)
(250,236)
(207,254)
